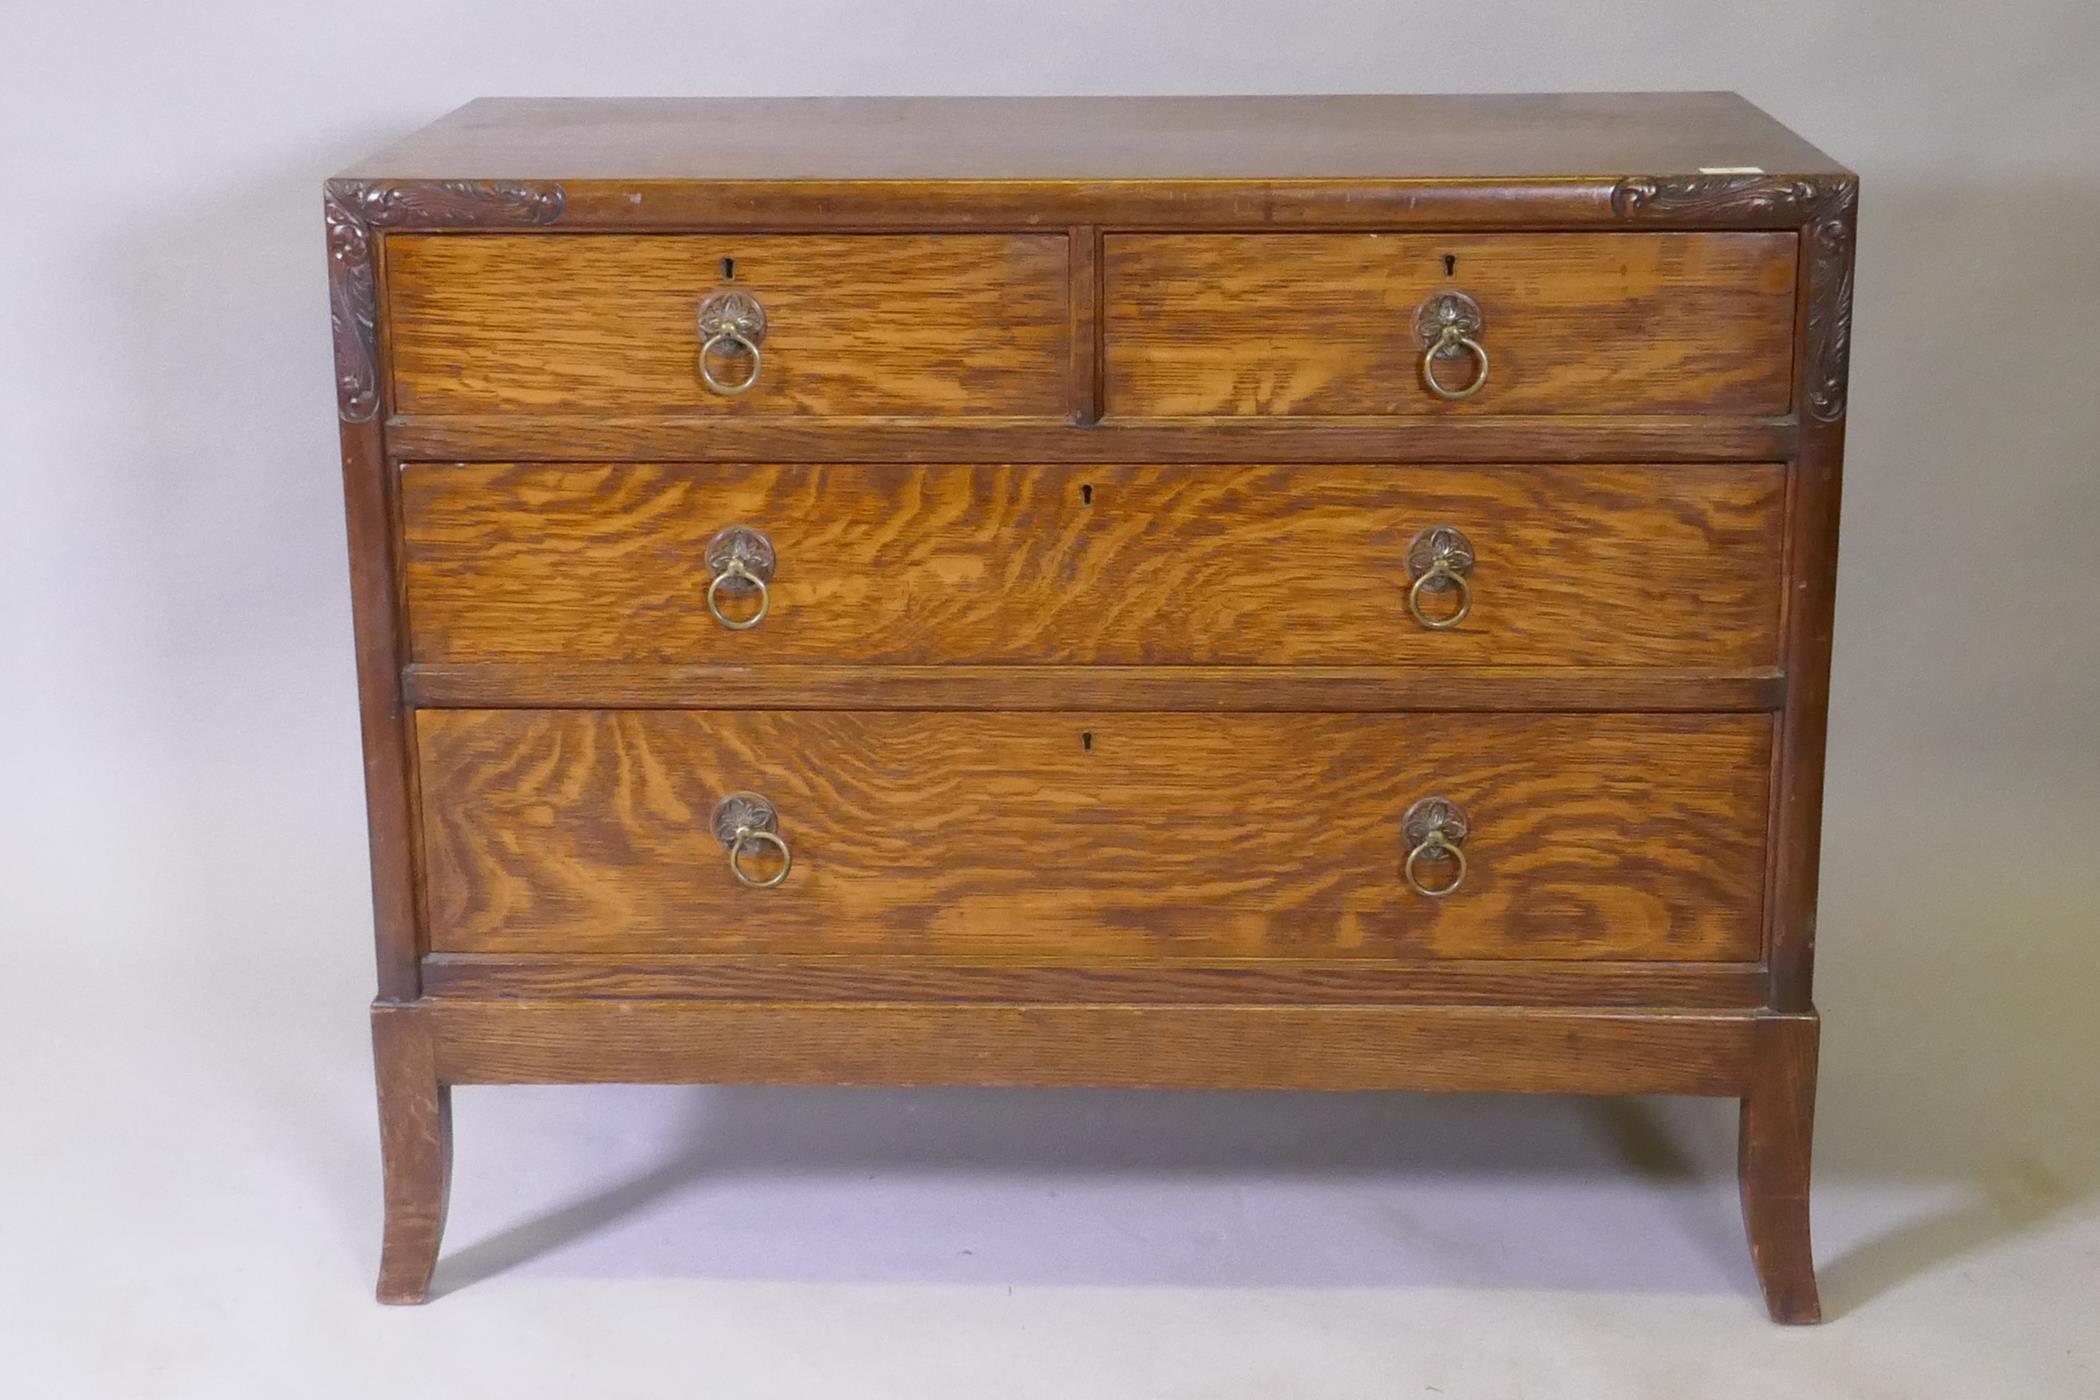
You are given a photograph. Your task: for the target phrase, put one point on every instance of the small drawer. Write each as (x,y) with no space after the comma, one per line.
(984,837)
(1122,565)
(1331,324)
(793,325)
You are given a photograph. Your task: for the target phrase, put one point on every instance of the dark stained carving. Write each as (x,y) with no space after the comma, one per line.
(1715,198)
(1826,357)
(354,208)
(1827,208)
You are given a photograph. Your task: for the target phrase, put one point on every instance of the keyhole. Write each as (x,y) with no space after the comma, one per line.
(1450,264)
(1086,740)
(1086,494)
(729,269)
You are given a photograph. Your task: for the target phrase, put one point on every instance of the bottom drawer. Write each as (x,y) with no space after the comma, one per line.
(998,838)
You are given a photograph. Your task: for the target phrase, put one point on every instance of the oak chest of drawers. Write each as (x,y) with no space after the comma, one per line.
(1325,593)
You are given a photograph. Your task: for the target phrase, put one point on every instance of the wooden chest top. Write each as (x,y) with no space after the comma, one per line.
(1380,138)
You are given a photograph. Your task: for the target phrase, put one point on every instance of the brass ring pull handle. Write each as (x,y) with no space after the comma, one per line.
(744,822)
(1439,558)
(1449,326)
(738,578)
(739,341)
(747,836)
(735,321)
(742,561)
(1452,337)
(1441,576)
(1435,846)
(1436,829)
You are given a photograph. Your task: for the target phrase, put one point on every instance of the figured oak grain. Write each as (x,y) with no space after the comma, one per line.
(1096,837)
(934,324)
(1323,324)
(1616,566)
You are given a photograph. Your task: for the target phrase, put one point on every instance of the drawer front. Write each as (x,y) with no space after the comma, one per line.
(1326,324)
(855,325)
(1577,565)
(976,838)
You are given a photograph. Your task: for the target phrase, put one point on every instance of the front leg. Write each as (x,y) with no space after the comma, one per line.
(415,1146)
(1772,1163)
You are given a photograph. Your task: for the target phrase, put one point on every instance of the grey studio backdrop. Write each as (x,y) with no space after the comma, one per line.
(192,1180)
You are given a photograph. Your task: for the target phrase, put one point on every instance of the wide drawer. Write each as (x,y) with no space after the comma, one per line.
(975,838)
(854,325)
(1140,565)
(1337,324)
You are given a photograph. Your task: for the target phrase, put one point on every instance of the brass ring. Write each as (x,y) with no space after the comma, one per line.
(729,335)
(1440,570)
(1451,336)
(746,834)
(735,569)
(1435,844)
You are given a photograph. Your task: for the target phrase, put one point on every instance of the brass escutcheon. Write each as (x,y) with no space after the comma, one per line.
(742,821)
(1449,326)
(730,321)
(741,560)
(1436,830)
(1438,559)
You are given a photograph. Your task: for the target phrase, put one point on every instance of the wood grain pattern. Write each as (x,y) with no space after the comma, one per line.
(415,1145)
(1291,689)
(1265,981)
(354,210)
(1223,206)
(1096,837)
(1603,566)
(1476,161)
(928,324)
(1772,1163)
(1083,339)
(546,437)
(1323,324)
(1824,207)
(1237,1047)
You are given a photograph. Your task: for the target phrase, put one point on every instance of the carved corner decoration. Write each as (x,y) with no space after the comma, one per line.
(1826,207)
(1714,198)
(1826,357)
(354,209)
